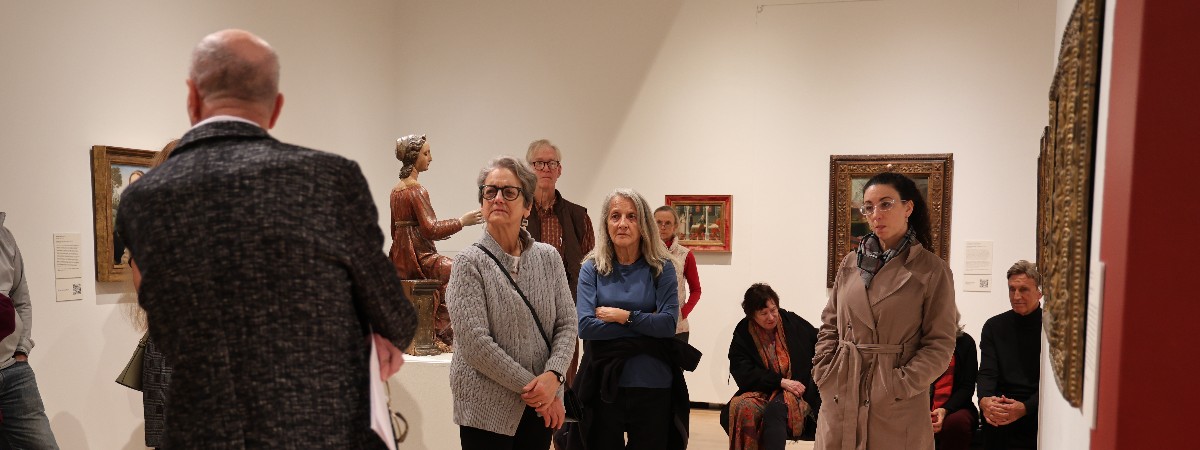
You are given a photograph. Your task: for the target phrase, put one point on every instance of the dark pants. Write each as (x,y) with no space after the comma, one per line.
(683,336)
(957,430)
(774,425)
(1021,434)
(532,434)
(643,413)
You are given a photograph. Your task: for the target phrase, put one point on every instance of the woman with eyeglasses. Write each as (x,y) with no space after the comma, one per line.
(630,380)
(515,321)
(415,227)
(888,330)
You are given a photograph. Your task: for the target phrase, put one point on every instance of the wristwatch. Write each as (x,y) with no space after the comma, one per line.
(557,375)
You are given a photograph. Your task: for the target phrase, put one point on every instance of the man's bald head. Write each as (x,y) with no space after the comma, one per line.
(234,68)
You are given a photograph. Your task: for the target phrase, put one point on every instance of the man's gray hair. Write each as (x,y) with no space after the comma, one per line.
(221,72)
(519,168)
(652,248)
(539,144)
(1028,269)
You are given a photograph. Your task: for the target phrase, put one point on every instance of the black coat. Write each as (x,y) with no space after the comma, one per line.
(966,367)
(262,268)
(751,372)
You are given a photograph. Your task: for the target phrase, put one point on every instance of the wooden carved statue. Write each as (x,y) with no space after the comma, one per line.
(415,227)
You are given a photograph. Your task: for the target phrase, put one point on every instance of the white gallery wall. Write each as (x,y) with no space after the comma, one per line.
(673,97)
(752,103)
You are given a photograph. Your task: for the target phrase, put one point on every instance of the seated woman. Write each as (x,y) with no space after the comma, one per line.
(770,357)
(952,409)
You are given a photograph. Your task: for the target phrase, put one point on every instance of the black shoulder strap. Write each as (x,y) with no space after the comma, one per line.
(541,330)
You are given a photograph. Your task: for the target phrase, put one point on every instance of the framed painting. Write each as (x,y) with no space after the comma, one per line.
(113,169)
(705,221)
(933,173)
(1066,173)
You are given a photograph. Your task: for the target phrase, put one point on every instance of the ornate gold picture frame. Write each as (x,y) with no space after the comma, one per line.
(705,221)
(933,173)
(1066,167)
(113,168)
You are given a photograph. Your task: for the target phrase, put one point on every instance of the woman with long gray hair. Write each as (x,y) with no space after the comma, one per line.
(628,308)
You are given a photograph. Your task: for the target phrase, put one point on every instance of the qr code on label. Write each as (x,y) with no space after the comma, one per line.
(77,288)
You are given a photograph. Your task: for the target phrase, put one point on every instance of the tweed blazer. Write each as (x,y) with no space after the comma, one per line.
(262,267)
(497,349)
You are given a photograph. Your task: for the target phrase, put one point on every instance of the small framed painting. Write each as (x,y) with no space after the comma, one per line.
(705,221)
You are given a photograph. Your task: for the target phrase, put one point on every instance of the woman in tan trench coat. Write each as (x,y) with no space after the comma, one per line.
(888,329)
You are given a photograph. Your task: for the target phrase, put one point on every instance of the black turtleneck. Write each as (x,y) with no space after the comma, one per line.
(1010,363)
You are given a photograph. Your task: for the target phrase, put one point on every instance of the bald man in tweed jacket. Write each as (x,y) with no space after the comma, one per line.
(261,268)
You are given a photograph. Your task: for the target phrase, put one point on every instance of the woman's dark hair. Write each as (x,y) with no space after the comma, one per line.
(919,220)
(756,298)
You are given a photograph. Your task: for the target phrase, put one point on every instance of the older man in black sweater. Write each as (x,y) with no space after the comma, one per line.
(1010,368)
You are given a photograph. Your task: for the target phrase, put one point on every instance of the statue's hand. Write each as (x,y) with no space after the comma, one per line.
(472,218)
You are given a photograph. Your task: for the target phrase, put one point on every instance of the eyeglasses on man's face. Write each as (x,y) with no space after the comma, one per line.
(510,193)
(884,205)
(545,165)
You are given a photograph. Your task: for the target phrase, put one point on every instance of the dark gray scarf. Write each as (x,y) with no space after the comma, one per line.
(872,257)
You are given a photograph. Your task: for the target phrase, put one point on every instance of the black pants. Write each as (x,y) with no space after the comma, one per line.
(1021,434)
(643,413)
(532,434)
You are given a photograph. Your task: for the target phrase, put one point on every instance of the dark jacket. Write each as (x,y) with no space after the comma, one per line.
(262,269)
(966,366)
(751,373)
(600,370)
(573,219)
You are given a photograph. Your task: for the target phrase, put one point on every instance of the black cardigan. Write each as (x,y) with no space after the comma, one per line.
(751,373)
(966,367)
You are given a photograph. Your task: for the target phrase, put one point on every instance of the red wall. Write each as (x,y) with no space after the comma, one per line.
(1149,380)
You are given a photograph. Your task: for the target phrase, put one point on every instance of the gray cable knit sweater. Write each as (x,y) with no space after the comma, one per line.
(497,350)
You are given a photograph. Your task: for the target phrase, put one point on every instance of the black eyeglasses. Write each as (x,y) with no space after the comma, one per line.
(510,192)
(543,165)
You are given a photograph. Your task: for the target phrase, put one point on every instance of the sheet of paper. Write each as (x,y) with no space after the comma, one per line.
(979,258)
(66,256)
(381,420)
(977,283)
(68,289)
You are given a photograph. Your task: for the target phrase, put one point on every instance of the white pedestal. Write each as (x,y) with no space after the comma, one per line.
(421,392)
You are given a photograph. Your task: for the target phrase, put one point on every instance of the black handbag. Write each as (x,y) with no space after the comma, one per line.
(570,403)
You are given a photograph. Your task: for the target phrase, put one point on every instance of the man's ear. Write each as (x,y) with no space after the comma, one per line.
(194,102)
(275,112)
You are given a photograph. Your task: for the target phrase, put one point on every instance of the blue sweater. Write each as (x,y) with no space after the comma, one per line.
(653,306)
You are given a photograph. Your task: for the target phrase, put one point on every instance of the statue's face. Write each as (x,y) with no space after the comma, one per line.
(424,158)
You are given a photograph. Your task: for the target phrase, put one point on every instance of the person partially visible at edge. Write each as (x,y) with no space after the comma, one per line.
(952,412)
(770,358)
(888,329)
(23,421)
(685,266)
(558,222)
(631,377)
(506,376)
(156,373)
(260,268)
(1010,367)
(415,227)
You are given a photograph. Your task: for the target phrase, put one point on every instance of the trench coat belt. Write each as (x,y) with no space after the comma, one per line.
(849,364)
(406,223)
